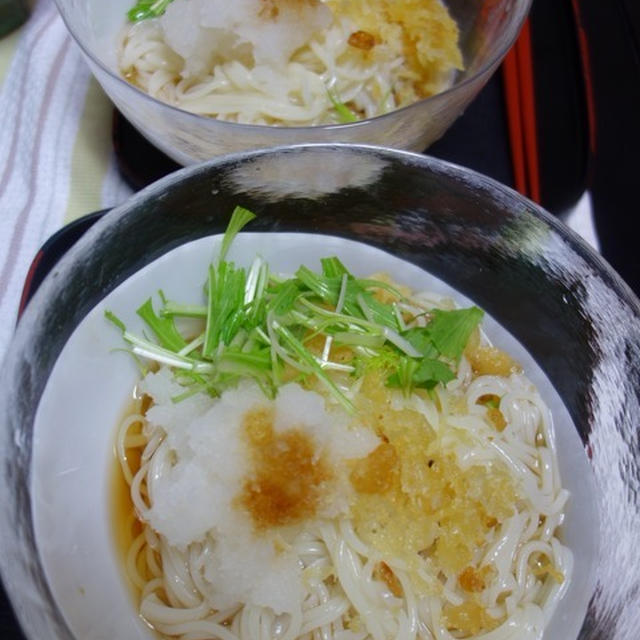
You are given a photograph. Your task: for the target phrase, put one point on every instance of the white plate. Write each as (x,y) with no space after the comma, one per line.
(90,388)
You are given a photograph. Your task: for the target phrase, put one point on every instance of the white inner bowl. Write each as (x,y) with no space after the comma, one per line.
(90,388)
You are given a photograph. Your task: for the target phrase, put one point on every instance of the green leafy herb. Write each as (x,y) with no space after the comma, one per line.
(239,218)
(445,335)
(376,311)
(226,300)
(147,9)
(112,317)
(333,268)
(345,115)
(164,328)
(284,298)
(307,358)
(421,340)
(450,330)
(430,372)
(424,374)
(402,378)
(255,324)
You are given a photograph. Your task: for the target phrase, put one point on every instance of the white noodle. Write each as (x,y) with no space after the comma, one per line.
(339,568)
(294,90)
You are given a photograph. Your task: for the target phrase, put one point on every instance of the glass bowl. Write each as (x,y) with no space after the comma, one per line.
(487,31)
(567,314)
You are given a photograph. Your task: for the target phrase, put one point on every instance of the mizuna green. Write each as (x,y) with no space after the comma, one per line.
(256,324)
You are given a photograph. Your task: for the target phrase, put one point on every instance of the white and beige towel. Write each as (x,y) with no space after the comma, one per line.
(56,160)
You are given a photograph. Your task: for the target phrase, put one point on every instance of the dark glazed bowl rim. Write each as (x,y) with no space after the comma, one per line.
(473,178)
(19,561)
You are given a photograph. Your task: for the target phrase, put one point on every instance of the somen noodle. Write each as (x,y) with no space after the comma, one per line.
(423,511)
(292,62)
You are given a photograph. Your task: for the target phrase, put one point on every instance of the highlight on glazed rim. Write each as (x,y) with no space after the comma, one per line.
(320,455)
(289,62)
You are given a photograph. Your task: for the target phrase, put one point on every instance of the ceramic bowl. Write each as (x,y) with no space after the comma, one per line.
(548,297)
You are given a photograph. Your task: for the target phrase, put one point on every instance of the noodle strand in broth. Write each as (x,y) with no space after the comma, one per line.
(485,562)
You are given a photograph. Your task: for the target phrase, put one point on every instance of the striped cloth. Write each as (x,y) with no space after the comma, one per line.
(55,147)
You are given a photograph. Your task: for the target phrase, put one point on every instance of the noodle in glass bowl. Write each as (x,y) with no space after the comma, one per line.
(164,97)
(549,302)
